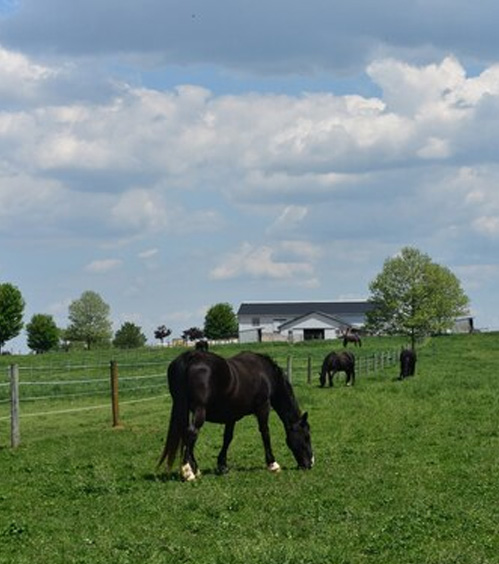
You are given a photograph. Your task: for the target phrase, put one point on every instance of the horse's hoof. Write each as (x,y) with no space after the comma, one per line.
(274,467)
(187,473)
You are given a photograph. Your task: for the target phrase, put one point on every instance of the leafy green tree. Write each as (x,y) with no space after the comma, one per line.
(129,336)
(11,312)
(220,322)
(89,320)
(43,334)
(192,334)
(415,296)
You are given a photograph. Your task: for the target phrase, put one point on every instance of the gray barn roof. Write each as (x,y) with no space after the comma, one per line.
(302,308)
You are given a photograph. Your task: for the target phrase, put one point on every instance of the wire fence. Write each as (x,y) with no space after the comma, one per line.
(31,391)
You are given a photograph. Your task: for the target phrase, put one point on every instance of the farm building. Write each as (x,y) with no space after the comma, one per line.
(463,325)
(299,321)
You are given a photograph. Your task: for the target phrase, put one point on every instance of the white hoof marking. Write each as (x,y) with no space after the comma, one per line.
(274,467)
(187,473)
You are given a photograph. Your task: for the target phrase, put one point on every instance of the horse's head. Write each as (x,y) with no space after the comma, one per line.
(298,440)
(326,365)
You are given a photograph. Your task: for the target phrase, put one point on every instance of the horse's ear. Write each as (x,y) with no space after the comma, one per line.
(304,419)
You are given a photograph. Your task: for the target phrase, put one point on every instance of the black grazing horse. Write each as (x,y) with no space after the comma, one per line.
(338,362)
(352,338)
(211,388)
(407,363)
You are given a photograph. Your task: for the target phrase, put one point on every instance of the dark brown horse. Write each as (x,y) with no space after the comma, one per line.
(352,338)
(338,362)
(207,387)
(408,360)
(201,345)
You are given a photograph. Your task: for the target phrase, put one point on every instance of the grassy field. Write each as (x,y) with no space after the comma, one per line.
(406,472)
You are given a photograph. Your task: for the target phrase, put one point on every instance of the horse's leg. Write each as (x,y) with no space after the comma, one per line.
(331,377)
(190,469)
(263,425)
(222,456)
(351,377)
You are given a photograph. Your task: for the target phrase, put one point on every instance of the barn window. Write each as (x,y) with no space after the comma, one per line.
(255,321)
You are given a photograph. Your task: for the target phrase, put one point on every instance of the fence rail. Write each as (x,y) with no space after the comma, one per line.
(131,383)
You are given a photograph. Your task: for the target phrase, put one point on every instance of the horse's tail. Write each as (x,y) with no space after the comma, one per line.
(179,416)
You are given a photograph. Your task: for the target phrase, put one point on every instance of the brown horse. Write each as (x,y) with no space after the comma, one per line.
(208,387)
(338,362)
(352,338)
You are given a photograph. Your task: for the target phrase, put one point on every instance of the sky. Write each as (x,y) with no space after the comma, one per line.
(174,154)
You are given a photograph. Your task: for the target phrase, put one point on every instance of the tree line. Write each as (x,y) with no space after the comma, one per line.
(412,296)
(90,325)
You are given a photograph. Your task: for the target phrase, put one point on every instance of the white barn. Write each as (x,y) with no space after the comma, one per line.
(299,321)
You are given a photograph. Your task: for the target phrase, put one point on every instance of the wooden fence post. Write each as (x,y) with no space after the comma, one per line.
(309,369)
(15,433)
(114,394)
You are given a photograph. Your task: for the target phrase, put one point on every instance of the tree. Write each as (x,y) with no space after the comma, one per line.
(192,334)
(129,336)
(220,322)
(11,312)
(415,296)
(89,320)
(162,332)
(43,334)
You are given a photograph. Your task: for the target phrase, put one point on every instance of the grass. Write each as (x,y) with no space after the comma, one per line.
(406,472)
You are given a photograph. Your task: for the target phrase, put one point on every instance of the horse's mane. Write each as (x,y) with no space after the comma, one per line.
(277,370)
(283,394)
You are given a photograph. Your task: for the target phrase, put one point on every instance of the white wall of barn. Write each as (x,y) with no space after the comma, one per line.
(267,323)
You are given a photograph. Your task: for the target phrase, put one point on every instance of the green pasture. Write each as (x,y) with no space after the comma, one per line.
(406,472)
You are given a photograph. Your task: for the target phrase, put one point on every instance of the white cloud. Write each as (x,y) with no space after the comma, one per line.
(26,200)
(140,209)
(290,216)
(259,262)
(21,78)
(408,89)
(104,265)
(487,225)
(303,249)
(149,253)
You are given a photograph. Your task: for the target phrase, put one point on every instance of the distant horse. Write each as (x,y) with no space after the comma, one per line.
(408,360)
(338,362)
(352,338)
(220,390)
(201,345)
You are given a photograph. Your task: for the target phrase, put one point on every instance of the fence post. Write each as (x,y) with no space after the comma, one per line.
(15,433)
(289,369)
(309,369)
(114,394)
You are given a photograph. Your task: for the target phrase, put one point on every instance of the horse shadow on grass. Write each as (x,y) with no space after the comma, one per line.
(175,476)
